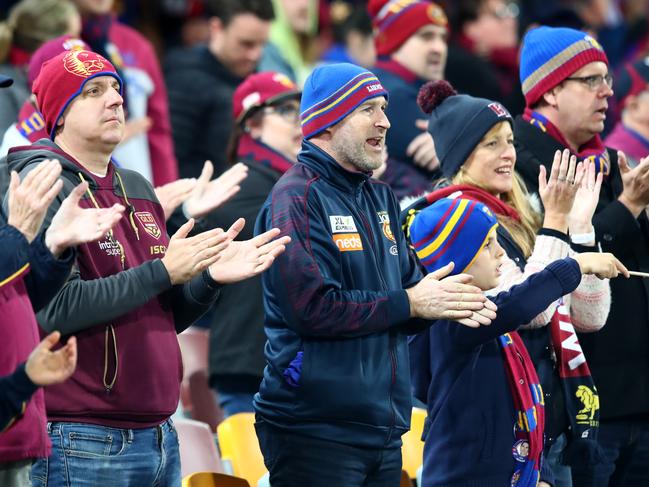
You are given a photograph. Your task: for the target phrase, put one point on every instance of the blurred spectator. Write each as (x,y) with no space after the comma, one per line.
(293,45)
(411,47)
(483,52)
(352,34)
(148,147)
(266,138)
(201,81)
(631,133)
(30,23)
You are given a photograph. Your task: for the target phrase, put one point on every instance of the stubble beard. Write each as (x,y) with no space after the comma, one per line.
(355,155)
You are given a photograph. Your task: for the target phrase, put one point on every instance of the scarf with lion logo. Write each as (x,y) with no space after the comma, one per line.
(581,398)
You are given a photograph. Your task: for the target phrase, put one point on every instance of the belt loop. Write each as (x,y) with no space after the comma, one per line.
(49,427)
(129,436)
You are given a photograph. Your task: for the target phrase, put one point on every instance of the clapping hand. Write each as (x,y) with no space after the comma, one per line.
(581,215)
(208,195)
(558,192)
(45,367)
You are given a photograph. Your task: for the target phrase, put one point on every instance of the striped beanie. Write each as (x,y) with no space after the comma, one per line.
(551,54)
(632,79)
(333,91)
(451,230)
(396,20)
(62,79)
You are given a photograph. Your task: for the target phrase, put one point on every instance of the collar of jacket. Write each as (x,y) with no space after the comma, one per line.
(326,167)
(537,141)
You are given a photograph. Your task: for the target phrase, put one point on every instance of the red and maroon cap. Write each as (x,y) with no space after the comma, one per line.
(260,89)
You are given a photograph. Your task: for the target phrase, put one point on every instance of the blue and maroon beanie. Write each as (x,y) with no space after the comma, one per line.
(551,54)
(451,230)
(333,91)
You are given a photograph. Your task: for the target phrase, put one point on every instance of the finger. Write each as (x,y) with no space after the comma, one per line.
(490,305)
(421,124)
(49,196)
(50,340)
(471,323)
(45,182)
(542,178)
(486,313)
(76,194)
(267,248)
(433,164)
(264,238)
(571,173)
(184,230)
(415,144)
(439,274)
(621,268)
(579,174)
(622,162)
(202,239)
(466,304)
(556,165)
(14,182)
(34,175)
(564,165)
(598,181)
(206,174)
(235,228)
(484,319)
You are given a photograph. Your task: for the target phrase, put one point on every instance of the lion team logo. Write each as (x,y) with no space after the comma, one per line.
(436,14)
(83,63)
(593,42)
(148,223)
(384,220)
(590,400)
(284,80)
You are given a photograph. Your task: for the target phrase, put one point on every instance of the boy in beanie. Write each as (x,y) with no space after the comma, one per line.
(631,133)
(130,292)
(566,84)
(411,48)
(335,398)
(480,384)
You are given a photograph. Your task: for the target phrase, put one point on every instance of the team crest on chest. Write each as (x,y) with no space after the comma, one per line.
(384,220)
(149,224)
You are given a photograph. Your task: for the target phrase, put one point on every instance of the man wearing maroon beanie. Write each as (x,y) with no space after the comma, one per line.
(128,296)
(411,47)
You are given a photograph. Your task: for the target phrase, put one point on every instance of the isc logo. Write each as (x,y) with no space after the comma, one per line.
(348,242)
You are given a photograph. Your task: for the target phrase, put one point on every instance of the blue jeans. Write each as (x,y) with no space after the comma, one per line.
(626,451)
(562,477)
(235,402)
(92,455)
(297,461)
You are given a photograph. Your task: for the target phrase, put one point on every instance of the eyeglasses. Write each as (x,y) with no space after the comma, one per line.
(289,112)
(595,81)
(508,11)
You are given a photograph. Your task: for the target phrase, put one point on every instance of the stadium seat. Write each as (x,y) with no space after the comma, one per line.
(412,451)
(198,451)
(197,399)
(239,446)
(211,479)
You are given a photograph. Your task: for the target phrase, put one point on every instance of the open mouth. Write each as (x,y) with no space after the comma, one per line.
(505,170)
(376,143)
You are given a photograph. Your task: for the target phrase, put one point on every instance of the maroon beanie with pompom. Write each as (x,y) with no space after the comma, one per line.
(457,122)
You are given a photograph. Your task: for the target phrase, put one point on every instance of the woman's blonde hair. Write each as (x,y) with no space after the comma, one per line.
(32,22)
(524,231)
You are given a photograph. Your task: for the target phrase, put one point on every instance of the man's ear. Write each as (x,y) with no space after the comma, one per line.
(216,27)
(550,97)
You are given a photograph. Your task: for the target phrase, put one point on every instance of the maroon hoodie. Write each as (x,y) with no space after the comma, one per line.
(120,304)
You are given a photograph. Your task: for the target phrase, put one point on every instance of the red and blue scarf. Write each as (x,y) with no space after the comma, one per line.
(527,394)
(593,150)
(255,150)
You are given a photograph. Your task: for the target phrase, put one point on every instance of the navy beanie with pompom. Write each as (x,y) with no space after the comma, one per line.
(457,122)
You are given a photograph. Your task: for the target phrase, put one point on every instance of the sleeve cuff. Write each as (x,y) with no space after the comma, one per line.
(567,273)
(554,233)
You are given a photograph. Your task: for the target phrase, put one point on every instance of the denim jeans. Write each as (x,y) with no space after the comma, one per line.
(626,451)
(92,455)
(297,461)
(235,402)
(562,477)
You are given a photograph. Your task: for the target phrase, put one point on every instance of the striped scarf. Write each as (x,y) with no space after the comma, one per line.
(527,394)
(593,150)
(255,150)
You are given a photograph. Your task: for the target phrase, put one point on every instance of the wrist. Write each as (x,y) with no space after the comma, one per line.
(411,302)
(52,244)
(556,222)
(29,236)
(634,207)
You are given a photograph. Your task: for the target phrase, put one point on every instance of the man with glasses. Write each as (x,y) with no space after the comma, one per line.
(566,82)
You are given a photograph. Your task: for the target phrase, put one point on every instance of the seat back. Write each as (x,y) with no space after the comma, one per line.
(412,451)
(198,451)
(239,445)
(212,479)
(197,399)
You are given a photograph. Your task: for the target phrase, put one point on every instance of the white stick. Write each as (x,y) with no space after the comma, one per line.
(638,274)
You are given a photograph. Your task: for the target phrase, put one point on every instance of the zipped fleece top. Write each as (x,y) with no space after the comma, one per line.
(29,277)
(336,310)
(120,304)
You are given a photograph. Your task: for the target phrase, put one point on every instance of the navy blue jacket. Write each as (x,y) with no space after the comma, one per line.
(471,415)
(337,314)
